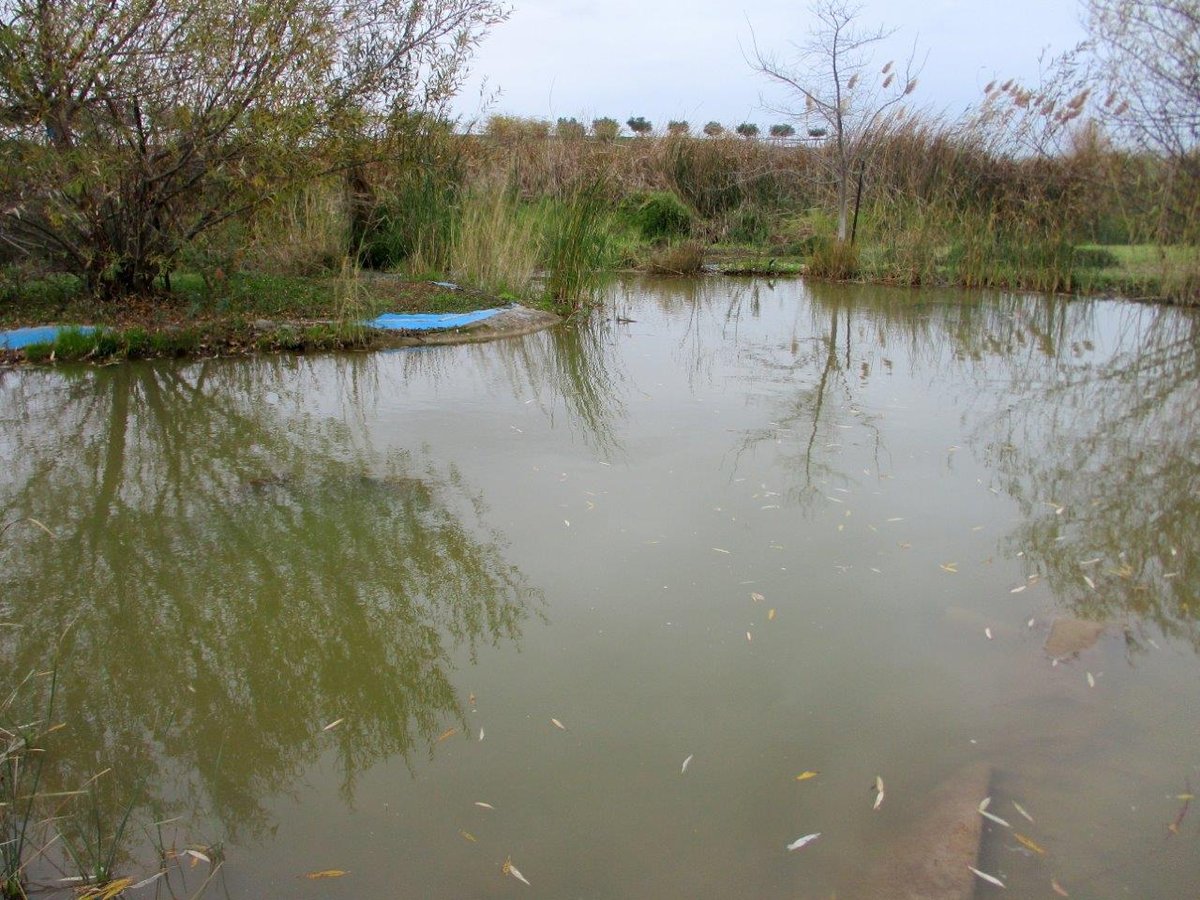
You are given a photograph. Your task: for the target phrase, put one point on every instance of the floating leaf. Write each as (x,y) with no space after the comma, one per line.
(770,615)
(991,879)
(468,836)
(510,869)
(1091,679)
(197,856)
(804,776)
(557,724)
(447,734)
(145,881)
(949,567)
(988,633)
(483,805)
(481,734)
(878,793)
(757,597)
(334,724)
(1028,843)
(749,637)
(994,818)
(1021,810)
(326,873)
(1058,888)
(1018,590)
(803,841)
(687,762)
(1089,582)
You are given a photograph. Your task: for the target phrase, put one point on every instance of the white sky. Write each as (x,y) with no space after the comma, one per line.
(686,59)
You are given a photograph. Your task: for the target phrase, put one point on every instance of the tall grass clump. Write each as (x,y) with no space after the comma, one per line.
(678,258)
(834,259)
(306,231)
(580,238)
(492,245)
(22,760)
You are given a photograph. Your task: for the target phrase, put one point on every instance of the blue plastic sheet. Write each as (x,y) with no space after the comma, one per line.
(429,321)
(42,334)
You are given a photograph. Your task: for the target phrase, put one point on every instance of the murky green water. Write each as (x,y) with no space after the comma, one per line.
(765,527)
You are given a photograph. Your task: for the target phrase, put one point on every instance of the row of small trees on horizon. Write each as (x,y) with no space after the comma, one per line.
(609,129)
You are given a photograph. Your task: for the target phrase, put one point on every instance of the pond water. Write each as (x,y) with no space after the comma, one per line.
(624,582)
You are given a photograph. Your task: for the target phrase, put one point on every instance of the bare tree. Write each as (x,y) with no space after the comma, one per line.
(830,80)
(1149,55)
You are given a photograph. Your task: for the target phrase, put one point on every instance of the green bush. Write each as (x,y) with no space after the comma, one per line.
(660,216)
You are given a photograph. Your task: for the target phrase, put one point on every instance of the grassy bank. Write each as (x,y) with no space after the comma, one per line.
(247,313)
(524,214)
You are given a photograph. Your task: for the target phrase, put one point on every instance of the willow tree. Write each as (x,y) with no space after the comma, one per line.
(130,127)
(830,82)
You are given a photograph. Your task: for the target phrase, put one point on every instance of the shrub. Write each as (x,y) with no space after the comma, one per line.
(748,130)
(660,215)
(678,127)
(714,129)
(606,129)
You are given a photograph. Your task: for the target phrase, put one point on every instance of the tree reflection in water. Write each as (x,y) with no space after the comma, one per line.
(234,569)
(1090,425)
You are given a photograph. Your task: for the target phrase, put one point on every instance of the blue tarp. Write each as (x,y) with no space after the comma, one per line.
(429,321)
(42,334)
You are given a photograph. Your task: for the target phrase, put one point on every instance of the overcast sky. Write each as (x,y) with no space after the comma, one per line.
(686,59)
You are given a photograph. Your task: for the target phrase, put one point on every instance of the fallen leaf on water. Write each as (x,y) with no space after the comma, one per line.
(686,763)
(985,803)
(471,699)
(770,615)
(802,841)
(949,567)
(719,550)
(1058,888)
(757,597)
(448,733)
(1017,590)
(510,869)
(557,724)
(1026,842)
(1031,623)
(1089,582)
(327,874)
(988,632)
(994,818)
(1021,810)
(986,877)
(1185,796)
(145,881)
(483,805)
(896,519)
(1091,679)
(468,836)
(334,724)
(749,637)
(197,856)
(878,793)
(481,734)
(804,776)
